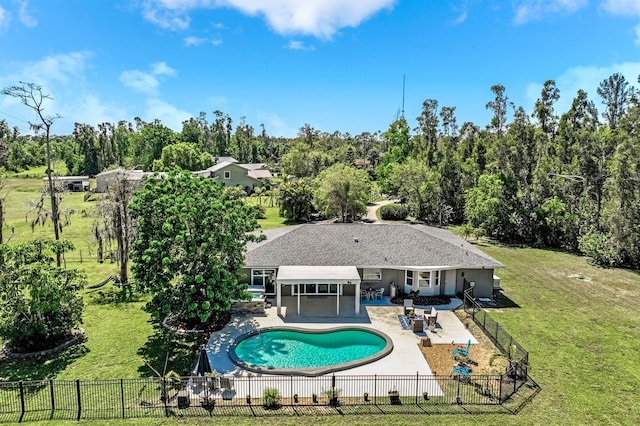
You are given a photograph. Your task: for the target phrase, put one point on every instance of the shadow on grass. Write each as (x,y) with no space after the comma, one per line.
(40,368)
(182,353)
(502,301)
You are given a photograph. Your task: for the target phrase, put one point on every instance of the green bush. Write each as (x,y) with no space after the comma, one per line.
(600,248)
(271,398)
(393,212)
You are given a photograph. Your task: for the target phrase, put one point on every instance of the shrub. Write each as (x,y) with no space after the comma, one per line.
(600,248)
(393,212)
(271,398)
(39,302)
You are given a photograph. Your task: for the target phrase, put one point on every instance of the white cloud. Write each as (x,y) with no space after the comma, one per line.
(5,19)
(166,19)
(144,82)
(622,7)
(320,18)
(461,18)
(198,41)
(531,10)
(62,77)
(25,17)
(637,33)
(276,126)
(298,45)
(161,68)
(140,81)
(587,78)
(170,115)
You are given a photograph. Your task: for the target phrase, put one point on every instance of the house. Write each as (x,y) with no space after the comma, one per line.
(135,177)
(232,173)
(341,259)
(68,183)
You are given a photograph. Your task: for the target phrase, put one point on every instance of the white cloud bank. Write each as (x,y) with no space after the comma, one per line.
(144,82)
(531,10)
(319,18)
(5,19)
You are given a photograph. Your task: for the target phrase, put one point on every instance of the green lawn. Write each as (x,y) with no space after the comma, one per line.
(579,322)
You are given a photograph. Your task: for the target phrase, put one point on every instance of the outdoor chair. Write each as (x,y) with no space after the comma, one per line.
(379,294)
(432,316)
(461,369)
(463,352)
(408,306)
(226,383)
(364,294)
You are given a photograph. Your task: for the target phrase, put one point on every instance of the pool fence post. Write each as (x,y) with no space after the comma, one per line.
(165,396)
(22,409)
(500,389)
(53,398)
(79,398)
(417,385)
(375,389)
(122,396)
(291,392)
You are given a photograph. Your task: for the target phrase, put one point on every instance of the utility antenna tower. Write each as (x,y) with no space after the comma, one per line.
(402,114)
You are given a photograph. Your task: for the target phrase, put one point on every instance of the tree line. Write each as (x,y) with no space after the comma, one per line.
(545,177)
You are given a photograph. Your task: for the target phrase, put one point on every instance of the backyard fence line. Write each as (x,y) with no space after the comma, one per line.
(517,356)
(252,396)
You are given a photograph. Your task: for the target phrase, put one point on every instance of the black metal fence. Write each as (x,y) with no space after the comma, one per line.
(518,357)
(252,396)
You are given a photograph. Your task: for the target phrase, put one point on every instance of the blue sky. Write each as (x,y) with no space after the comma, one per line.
(335,64)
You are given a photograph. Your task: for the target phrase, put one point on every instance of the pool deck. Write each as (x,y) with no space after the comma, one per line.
(405,359)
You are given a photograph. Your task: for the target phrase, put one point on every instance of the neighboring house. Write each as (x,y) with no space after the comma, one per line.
(135,177)
(68,183)
(232,173)
(342,259)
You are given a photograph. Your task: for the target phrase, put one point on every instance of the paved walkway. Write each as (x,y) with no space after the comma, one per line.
(371,209)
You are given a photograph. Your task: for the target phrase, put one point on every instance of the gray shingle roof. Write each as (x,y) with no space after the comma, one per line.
(376,246)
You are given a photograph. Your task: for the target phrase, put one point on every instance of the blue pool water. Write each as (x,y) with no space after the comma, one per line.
(278,349)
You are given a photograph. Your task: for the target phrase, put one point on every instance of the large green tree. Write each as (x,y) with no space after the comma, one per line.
(184,156)
(190,245)
(40,303)
(295,197)
(343,191)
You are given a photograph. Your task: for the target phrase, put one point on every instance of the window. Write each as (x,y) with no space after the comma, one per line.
(372,274)
(436,278)
(424,279)
(264,278)
(227,174)
(409,278)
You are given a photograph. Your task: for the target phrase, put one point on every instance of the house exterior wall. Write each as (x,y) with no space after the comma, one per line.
(449,287)
(239,177)
(390,277)
(482,277)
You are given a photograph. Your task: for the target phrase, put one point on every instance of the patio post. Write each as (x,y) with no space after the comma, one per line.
(278,296)
(357,298)
(338,300)
(298,293)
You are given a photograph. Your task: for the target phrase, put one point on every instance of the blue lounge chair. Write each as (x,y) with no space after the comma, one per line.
(463,352)
(461,369)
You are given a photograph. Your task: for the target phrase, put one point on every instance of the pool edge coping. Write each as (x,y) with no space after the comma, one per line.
(313,371)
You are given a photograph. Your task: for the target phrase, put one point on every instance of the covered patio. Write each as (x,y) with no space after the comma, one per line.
(322,282)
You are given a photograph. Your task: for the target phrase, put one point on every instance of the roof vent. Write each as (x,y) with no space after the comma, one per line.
(356,240)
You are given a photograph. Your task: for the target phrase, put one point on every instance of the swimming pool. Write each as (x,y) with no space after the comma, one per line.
(299,351)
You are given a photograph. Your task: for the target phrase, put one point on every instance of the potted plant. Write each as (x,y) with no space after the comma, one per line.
(425,395)
(314,397)
(271,398)
(248,399)
(295,398)
(366,397)
(333,394)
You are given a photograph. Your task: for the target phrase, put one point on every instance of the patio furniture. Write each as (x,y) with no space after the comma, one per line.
(226,383)
(417,325)
(463,352)
(408,306)
(461,369)
(364,294)
(432,316)
(379,294)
